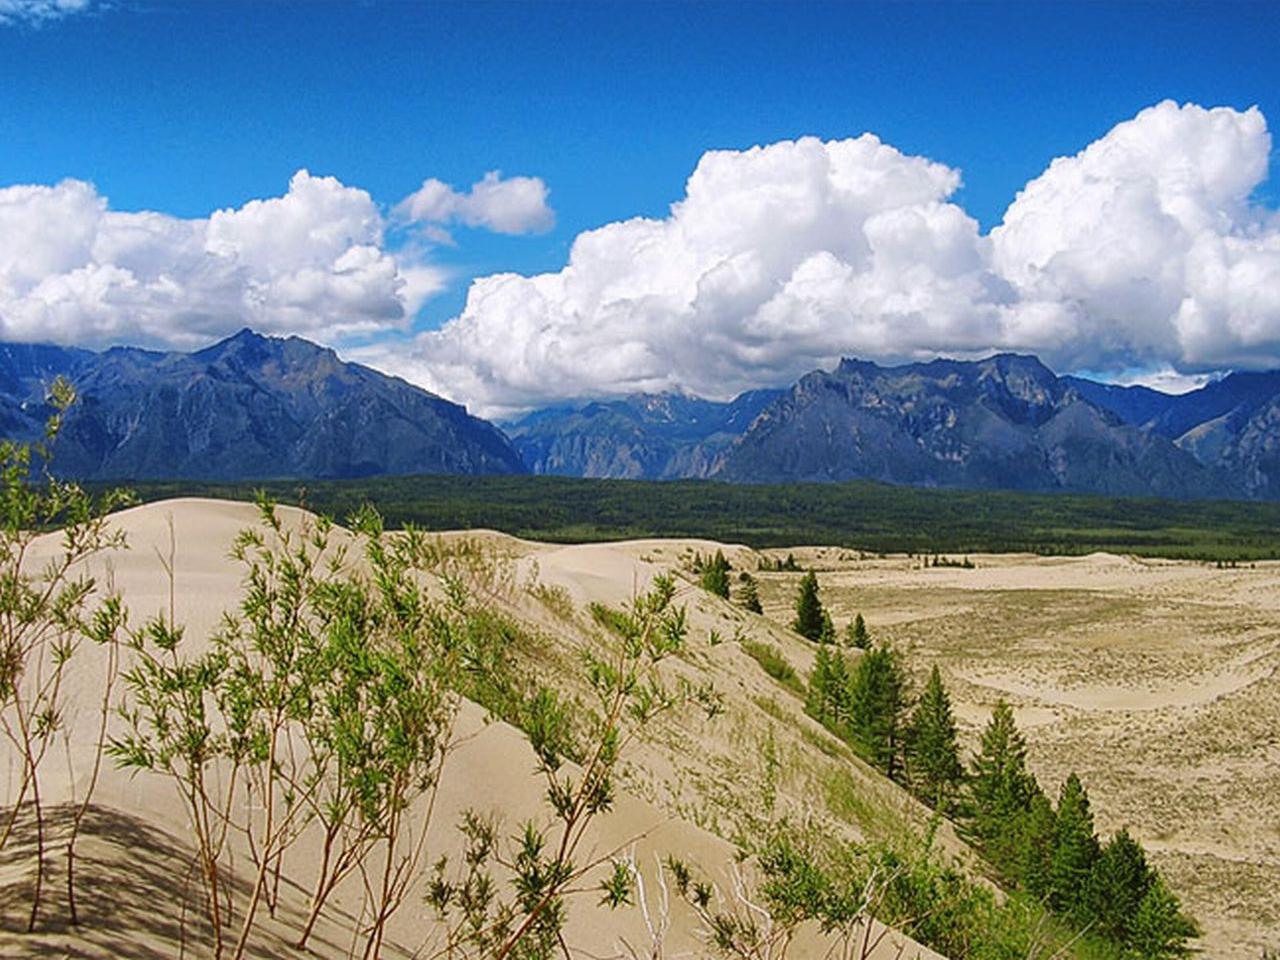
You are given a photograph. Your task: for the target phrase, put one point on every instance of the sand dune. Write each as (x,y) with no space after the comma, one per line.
(1155,680)
(139,896)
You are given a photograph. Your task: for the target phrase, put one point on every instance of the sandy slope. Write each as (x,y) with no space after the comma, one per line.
(686,787)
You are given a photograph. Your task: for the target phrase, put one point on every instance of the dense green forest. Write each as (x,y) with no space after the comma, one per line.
(861,515)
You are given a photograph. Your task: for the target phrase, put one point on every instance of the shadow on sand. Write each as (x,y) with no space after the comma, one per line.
(139,897)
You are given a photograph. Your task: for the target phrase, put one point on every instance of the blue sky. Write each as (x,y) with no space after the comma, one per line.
(185,108)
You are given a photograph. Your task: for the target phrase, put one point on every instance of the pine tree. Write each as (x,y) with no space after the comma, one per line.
(1000,789)
(1160,929)
(827,700)
(1117,885)
(818,700)
(838,695)
(856,635)
(933,754)
(1038,827)
(715,575)
(1075,849)
(828,629)
(749,593)
(877,707)
(809,612)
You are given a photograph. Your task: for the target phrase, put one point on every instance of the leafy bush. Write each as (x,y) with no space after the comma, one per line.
(357,666)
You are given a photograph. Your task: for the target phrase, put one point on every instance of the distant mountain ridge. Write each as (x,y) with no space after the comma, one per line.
(1005,422)
(643,436)
(249,407)
(1232,424)
(257,408)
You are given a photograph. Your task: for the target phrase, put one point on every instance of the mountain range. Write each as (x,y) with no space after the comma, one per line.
(253,408)
(1231,425)
(644,436)
(249,407)
(1004,422)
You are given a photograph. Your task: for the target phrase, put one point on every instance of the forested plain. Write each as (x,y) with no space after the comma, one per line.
(866,516)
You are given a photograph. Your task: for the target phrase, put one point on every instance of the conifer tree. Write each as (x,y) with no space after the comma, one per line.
(877,705)
(1075,849)
(1160,929)
(715,575)
(809,612)
(838,695)
(828,629)
(933,754)
(1000,789)
(828,697)
(856,635)
(818,701)
(1038,827)
(749,593)
(1117,885)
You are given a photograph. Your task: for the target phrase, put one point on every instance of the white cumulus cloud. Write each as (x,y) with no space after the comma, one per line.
(310,262)
(1143,250)
(778,258)
(513,205)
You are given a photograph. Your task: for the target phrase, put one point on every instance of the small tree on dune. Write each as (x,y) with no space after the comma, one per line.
(749,593)
(1000,788)
(820,697)
(1036,834)
(1160,929)
(1075,848)
(809,613)
(856,635)
(933,753)
(829,691)
(715,575)
(1117,885)
(828,634)
(877,701)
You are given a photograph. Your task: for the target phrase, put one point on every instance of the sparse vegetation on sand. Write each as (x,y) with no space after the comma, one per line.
(47,612)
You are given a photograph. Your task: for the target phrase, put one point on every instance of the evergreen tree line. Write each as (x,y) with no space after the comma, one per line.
(1052,852)
(940,561)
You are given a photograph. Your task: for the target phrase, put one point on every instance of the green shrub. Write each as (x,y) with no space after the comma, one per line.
(774,664)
